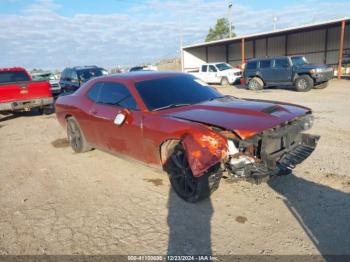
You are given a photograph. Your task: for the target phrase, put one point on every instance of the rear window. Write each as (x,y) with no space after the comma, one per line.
(13,76)
(252,65)
(87,74)
(265,64)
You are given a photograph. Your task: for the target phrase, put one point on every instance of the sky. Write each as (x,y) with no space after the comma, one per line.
(53,34)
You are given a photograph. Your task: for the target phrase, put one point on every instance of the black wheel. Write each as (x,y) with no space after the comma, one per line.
(224,81)
(255,84)
(189,188)
(304,83)
(321,86)
(76,137)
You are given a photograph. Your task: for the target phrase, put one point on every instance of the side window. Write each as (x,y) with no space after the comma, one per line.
(281,63)
(118,95)
(94,92)
(212,68)
(265,63)
(204,68)
(252,65)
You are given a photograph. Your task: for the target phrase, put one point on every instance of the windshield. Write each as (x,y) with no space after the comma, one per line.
(299,60)
(43,77)
(223,66)
(86,74)
(174,90)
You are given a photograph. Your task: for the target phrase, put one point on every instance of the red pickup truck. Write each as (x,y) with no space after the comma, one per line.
(19,93)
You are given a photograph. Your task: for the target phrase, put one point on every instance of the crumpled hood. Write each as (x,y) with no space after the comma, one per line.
(242,116)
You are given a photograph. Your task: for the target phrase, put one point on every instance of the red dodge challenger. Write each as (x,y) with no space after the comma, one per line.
(190,130)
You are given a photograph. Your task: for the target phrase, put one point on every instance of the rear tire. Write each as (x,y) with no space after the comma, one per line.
(255,84)
(321,86)
(304,83)
(76,137)
(189,188)
(224,81)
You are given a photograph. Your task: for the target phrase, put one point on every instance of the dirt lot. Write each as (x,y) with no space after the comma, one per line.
(53,201)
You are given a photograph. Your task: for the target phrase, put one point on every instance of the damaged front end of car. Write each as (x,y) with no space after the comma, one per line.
(274,151)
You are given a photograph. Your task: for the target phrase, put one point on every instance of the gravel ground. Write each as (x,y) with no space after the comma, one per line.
(53,201)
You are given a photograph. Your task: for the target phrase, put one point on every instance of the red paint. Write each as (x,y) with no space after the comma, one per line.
(142,135)
(21,91)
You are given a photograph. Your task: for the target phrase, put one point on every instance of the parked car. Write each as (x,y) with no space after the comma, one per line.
(19,93)
(218,73)
(286,71)
(177,122)
(72,78)
(48,76)
(143,68)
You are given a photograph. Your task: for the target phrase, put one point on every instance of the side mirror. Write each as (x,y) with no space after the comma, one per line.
(119,119)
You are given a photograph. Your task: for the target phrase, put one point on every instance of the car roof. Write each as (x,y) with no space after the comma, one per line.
(83,67)
(138,76)
(215,63)
(272,57)
(12,69)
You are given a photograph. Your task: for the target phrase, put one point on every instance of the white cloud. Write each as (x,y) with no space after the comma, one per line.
(40,37)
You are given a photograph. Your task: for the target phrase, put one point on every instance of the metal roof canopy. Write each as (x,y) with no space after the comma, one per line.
(305,27)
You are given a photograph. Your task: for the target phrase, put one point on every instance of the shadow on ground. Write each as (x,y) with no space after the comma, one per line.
(35,112)
(323,212)
(189,226)
(268,88)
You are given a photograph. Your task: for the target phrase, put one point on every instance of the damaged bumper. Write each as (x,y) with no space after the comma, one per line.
(274,151)
(275,163)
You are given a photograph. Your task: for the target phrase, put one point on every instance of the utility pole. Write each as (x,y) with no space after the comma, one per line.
(230,18)
(181,44)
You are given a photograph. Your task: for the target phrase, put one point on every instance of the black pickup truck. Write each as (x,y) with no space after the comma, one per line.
(286,71)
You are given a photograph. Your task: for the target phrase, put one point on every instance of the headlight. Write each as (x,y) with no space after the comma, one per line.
(232,149)
(315,71)
(308,122)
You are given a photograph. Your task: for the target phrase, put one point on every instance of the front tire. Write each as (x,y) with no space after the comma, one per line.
(76,137)
(189,188)
(304,83)
(255,84)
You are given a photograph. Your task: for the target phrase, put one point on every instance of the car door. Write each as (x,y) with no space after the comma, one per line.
(265,70)
(213,75)
(125,138)
(281,71)
(204,73)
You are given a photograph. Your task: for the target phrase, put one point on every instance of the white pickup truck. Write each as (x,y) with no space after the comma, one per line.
(218,73)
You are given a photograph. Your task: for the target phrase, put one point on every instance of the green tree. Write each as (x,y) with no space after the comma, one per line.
(220,31)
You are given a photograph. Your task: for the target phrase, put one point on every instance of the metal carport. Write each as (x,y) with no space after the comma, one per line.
(320,43)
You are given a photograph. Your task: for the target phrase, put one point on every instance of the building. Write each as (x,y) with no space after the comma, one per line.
(320,43)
